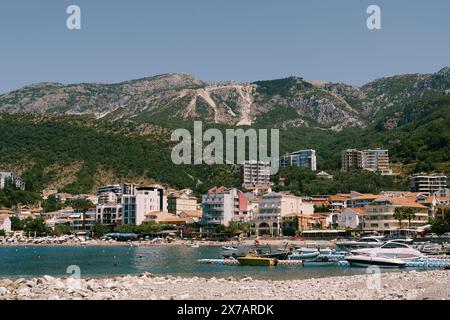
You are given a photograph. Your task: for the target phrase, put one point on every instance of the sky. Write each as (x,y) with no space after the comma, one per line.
(241,40)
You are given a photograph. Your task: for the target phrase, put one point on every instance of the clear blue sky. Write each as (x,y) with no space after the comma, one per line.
(242,40)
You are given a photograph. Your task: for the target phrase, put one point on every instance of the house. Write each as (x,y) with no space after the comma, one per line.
(305,221)
(5,222)
(350,218)
(324,175)
(161,217)
(194,216)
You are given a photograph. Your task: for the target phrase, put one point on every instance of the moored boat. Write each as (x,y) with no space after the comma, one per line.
(384,262)
(257,261)
(365,242)
(300,255)
(392,249)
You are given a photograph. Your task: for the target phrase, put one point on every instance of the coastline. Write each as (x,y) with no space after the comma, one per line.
(101,243)
(411,285)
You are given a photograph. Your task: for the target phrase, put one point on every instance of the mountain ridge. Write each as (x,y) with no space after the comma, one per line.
(283,103)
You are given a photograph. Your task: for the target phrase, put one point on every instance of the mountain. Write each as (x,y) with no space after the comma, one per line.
(282,103)
(77,137)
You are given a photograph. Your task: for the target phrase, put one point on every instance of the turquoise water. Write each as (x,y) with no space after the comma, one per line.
(161,260)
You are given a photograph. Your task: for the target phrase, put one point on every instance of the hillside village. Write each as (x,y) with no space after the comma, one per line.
(255,209)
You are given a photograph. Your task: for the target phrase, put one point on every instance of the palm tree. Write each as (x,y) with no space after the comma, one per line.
(399,215)
(409,214)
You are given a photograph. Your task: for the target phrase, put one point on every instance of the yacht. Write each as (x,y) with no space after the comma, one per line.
(391,249)
(384,262)
(365,242)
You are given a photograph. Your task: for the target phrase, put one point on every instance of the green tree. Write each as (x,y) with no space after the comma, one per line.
(2,233)
(16,223)
(399,215)
(61,229)
(410,214)
(149,228)
(99,229)
(35,226)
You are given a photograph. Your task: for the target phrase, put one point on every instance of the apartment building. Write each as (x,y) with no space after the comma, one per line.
(301,159)
(12,178)
(379,214)
(181,202)
(351,159)
(82,221)
(273,207)
(143,201)
(376,160)
(221,205)
(427,183)
(255,174)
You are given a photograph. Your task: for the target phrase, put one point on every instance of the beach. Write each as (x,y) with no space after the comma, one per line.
(411,285)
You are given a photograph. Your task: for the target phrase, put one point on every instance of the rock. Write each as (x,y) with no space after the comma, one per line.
(48,278)
(3,291)
(26,292)
(146,275)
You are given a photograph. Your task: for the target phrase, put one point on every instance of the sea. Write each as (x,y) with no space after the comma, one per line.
(107,261)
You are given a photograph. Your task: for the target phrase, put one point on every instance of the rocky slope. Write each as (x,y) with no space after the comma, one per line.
(290,102)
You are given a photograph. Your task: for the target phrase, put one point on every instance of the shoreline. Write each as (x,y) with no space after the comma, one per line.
(101,243)
(410,285)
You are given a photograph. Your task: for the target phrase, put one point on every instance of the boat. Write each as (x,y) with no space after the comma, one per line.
(230,248)
(320,261)
(365,242)
(193,245)
(257,261)
(391,249)
(430,248)
(385,262)
(274,255)
(301,255)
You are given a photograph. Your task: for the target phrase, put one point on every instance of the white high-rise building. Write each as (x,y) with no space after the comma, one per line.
(255,174)
(144,200)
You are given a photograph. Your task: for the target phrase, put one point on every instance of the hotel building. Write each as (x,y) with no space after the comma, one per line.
(301,159)
(143,201)
(273,207)
(427,184)
(220,206)
(379,214)
(178,203)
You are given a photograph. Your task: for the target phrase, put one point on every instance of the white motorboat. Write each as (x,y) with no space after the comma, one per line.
(365,242)
(391,249)
(383,262)
(304,255)
(231,248)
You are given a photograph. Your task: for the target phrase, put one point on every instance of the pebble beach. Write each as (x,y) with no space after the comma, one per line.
(407,285)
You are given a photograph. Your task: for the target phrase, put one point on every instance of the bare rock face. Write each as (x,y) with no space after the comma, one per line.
(282,103)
